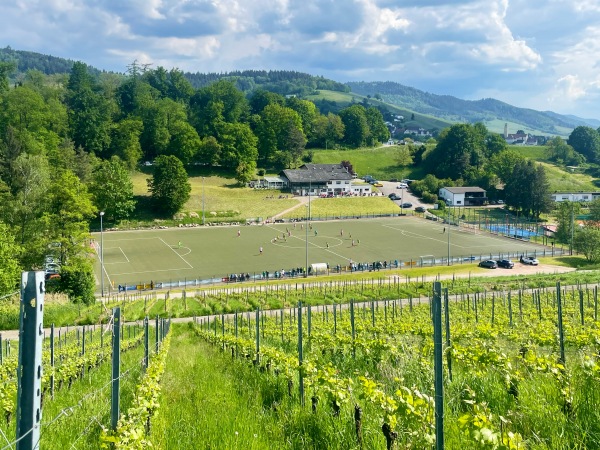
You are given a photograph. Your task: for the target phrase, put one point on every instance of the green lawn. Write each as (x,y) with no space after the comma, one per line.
(378,162)
(138,257)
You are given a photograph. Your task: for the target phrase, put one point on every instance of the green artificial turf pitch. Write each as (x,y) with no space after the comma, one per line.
(138,257)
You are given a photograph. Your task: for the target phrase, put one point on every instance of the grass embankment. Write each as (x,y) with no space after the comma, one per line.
(210,402)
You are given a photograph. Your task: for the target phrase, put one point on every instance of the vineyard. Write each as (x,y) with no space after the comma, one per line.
(336,365)
(509,382)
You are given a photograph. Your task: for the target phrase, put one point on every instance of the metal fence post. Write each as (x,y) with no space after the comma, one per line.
(146,343)
(438,352)
(29,372)
(116,367)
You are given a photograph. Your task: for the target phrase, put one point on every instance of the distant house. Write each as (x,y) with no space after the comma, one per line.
(463,196)
(575,196)
(323,179)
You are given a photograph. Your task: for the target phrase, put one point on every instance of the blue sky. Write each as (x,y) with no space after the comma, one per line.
(530,53)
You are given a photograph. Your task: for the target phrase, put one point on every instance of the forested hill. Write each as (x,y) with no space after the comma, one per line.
(47,64)
(457,110)
(284,82)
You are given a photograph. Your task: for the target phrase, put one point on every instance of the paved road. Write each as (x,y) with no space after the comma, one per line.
(520,269)
(405,195)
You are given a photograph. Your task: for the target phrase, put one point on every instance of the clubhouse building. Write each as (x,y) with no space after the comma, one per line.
(323,180)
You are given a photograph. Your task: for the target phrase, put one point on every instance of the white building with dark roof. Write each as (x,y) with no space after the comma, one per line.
(323,179)
(463,196)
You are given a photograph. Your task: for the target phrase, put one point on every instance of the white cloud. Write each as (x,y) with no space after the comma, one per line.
(541,54)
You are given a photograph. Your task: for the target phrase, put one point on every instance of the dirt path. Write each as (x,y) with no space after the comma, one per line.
(301,202)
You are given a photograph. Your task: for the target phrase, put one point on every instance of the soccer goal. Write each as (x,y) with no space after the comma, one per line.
(427,260)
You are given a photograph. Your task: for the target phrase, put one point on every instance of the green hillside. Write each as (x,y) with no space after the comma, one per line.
(343,99)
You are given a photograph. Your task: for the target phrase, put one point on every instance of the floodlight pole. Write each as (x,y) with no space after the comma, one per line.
(401,202)
(307,222)
(202,201)
(101,256)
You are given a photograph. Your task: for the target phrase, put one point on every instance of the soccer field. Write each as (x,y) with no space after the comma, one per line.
(168,255)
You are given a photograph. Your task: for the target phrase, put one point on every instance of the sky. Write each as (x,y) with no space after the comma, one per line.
(534,54)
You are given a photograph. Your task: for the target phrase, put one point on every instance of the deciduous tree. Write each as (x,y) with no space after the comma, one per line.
(112,189)
(169,184)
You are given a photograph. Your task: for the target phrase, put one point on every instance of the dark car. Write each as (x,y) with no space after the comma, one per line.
(529,260)
(393,196)
(420,209)
(505,263)
(488,264)
(407,205)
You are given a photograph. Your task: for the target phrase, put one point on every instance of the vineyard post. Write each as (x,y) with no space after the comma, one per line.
(493,306)
(51,360)
(281,325)
(475,307)
(257,320)
(448,341)
(83,351)
(353,329)
(595,302)
(334,319)
(235,326)
(438,365)
(146,342)
(581,306)
(521,305)
(116,368)
(373,313)
(29,368)
(510,317)
(308,318)
(300,375)
(156,333)
(561,336)
(223,330)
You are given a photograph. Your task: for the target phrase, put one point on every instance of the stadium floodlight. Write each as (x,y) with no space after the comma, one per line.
(101,256)
(202,201)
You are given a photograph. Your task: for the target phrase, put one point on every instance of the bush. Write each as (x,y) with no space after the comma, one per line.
(78,282)
(428,197)
(441,205)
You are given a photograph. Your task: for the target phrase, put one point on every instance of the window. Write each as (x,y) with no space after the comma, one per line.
(338,182)
(458,202)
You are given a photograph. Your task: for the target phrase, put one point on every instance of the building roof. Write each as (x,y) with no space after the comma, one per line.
(317,173)
(464,190)
(275,180)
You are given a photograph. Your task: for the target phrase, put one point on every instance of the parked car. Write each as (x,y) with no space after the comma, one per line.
(407,205)
(368,178)
(402,186)
(505,263)
(501,202)
(393,196)
(378,184)
(488,264)
(420,209)
(529,260)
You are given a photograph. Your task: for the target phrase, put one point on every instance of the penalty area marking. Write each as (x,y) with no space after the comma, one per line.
(173,250)
(118,262)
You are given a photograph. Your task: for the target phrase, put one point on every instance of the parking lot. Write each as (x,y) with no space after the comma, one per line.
(405,195)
